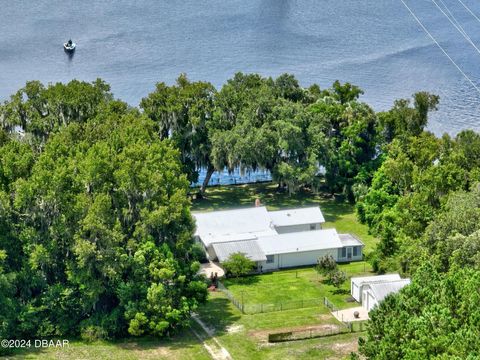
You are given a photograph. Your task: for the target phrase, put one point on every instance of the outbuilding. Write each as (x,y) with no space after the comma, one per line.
(357,283)
(371,290)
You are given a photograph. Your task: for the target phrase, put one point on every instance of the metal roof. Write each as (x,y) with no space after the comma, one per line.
(299,216)
(300,241)
(382,289)
(250,248)
(350,240)
(231,225)
(377,278)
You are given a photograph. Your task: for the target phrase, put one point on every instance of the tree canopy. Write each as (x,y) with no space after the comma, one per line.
(96,231)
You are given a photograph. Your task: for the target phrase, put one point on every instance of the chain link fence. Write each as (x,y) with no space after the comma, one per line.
(248,308)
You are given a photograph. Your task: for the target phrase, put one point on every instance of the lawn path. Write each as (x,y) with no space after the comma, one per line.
(216,351)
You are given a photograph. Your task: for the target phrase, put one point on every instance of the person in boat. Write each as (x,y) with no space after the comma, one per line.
(69,43)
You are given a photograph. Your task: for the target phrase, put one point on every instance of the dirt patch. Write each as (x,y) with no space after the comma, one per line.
(324,317)
(344,348)
(231,329)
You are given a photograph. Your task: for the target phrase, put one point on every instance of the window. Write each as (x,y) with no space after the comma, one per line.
(344,252)
(355,251)
(313,226)
(270,259)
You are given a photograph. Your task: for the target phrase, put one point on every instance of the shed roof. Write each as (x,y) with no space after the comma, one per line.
(376,278)
(350,240)
(382,289)
(299,216)
(232,225)
(300,241)
(249,248)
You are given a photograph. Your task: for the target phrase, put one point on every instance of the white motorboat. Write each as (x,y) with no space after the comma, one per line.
(69,46)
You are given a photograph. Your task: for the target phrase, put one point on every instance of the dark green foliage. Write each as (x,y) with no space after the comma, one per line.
(181,113)
(436,317)
(95,227)
(326,265)
(337,278)
(40,111)
(238,265)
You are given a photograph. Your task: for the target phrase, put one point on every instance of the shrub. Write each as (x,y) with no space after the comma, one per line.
(238,265)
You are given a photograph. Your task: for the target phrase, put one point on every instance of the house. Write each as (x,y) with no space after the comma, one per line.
(371,290)
(273,239)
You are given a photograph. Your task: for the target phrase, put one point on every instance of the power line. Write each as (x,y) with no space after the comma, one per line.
(465,35)
(440,47)
(468,9)
(453,17)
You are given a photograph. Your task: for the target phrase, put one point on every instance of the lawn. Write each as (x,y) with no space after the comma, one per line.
(294,286)
(338,213)
(183,346)
(245,336)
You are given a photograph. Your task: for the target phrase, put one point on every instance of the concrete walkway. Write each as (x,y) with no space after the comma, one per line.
(216,351)
(348,314)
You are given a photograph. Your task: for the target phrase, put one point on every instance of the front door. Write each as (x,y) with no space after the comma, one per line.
(349,253)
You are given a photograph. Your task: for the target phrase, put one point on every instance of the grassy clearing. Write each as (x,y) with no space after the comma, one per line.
(184,346)
(245,336)
(293,285)
(338,214)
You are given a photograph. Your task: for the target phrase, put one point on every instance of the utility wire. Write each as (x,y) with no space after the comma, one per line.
(468,9)
(440,46)
(466,37)
(453,17)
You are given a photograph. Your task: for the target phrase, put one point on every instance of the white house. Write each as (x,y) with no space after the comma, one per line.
(274,240)
(371,290)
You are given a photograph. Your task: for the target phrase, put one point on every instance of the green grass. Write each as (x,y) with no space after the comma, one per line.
(183,346)
(246,340)
(294,285)
(338,214)
(244,336)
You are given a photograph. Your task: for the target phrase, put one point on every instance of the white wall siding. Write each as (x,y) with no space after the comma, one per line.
(368,300)
(297,228)
(303,258)
(355,291)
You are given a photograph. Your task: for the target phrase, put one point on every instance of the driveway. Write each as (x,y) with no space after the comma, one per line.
(210,268)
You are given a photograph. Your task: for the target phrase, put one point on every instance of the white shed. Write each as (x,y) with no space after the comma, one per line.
(358,283)
(376,292)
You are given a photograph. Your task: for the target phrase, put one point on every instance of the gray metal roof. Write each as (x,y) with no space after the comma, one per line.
(250,248)
(376,278)
(349,240)
(384,288)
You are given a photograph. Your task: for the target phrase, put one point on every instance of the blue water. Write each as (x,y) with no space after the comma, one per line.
(375,44)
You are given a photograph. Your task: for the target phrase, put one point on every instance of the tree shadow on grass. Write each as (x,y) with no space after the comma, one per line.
(219,313)
(242,280)
(237,196)
(340,292)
